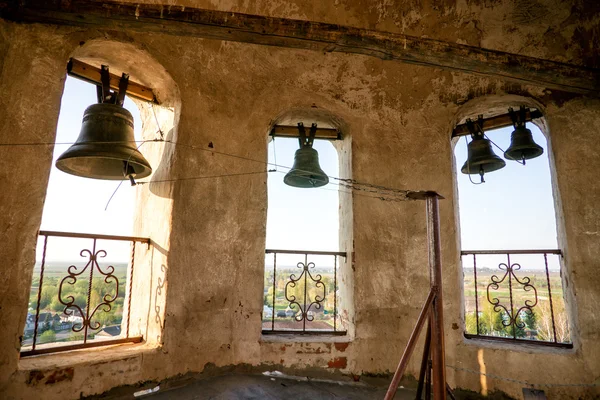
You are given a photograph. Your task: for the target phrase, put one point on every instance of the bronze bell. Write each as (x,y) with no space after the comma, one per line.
(105,148)
(306,172)
(522,146)
(481,158)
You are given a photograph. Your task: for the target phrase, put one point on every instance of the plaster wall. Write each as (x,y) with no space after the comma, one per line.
(209,234)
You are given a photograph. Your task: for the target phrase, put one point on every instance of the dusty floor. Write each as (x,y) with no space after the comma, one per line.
(233,387)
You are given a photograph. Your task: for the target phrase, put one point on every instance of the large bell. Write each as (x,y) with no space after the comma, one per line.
(105,148)
(306,172)
(522,146)
(481,158)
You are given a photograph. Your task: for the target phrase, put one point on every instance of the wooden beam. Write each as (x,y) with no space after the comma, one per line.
(292,131)
(282,32)
(91,74)
(499,121)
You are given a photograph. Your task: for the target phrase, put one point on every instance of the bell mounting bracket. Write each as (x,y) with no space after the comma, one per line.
(475,127)
(519,118)
(105,95)
(303,139)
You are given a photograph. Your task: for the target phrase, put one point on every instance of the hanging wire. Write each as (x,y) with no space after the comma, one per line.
(113,195)
(345,182)
(202,177)
(162,135)
(125,170)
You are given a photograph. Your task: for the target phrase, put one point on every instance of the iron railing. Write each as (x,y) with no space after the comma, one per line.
(81,293)
(302,298)
(515,295)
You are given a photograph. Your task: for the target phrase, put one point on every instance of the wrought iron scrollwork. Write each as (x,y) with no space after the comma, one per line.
(69,301)
(525,282)
(303,310)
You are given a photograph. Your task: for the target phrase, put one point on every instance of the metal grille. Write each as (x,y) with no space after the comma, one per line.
(79,304)
(515,295)
(301,292)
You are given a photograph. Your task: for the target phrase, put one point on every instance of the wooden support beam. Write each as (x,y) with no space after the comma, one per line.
(292,131)
(282,32)
(91,74)
(498,121)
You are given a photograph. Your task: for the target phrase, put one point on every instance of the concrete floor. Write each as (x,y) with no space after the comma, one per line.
(233,387)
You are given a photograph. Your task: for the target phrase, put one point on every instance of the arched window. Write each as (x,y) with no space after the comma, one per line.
(304,253)
(86,290)
(511,258)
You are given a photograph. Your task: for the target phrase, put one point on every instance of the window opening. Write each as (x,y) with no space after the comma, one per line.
(511,261)
(301,279)
(79,295)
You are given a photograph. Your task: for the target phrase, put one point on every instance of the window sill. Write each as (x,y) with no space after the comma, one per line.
(516,345)
(307,337)
(85,356)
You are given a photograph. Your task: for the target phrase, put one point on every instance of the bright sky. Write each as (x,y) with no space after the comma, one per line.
(302,218)
(514,208)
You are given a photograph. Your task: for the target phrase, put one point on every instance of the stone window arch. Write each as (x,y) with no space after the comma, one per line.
(142,315)
(511,253)
(329,299)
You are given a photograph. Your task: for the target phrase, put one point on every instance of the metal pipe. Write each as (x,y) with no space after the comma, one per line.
(94,236)
(435,267)
(335,293)
(130,287)
(315,253)
(550,296)
(489,252)
(425,360)
(39,296)
(412,342)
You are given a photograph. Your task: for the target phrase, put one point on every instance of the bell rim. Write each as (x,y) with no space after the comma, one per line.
(288,181)
(501,164)
(145,168)
(539,150)
(290,176)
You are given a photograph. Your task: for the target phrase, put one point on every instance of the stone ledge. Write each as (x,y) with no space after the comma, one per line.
(85,356)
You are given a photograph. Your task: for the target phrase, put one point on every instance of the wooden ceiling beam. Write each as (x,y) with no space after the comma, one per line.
(495,122)
(283,32)
(91,74)
(292,131)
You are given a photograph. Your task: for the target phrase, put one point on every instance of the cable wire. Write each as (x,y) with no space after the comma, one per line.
(345,182)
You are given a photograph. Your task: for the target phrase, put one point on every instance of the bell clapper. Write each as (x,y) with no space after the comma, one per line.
(129,172)
(481,172)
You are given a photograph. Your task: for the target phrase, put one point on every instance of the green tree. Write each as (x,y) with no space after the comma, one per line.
(56,305)
(48,336)
(76,336)
(471,324)
(49,293)
(530,320)
(268,299)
